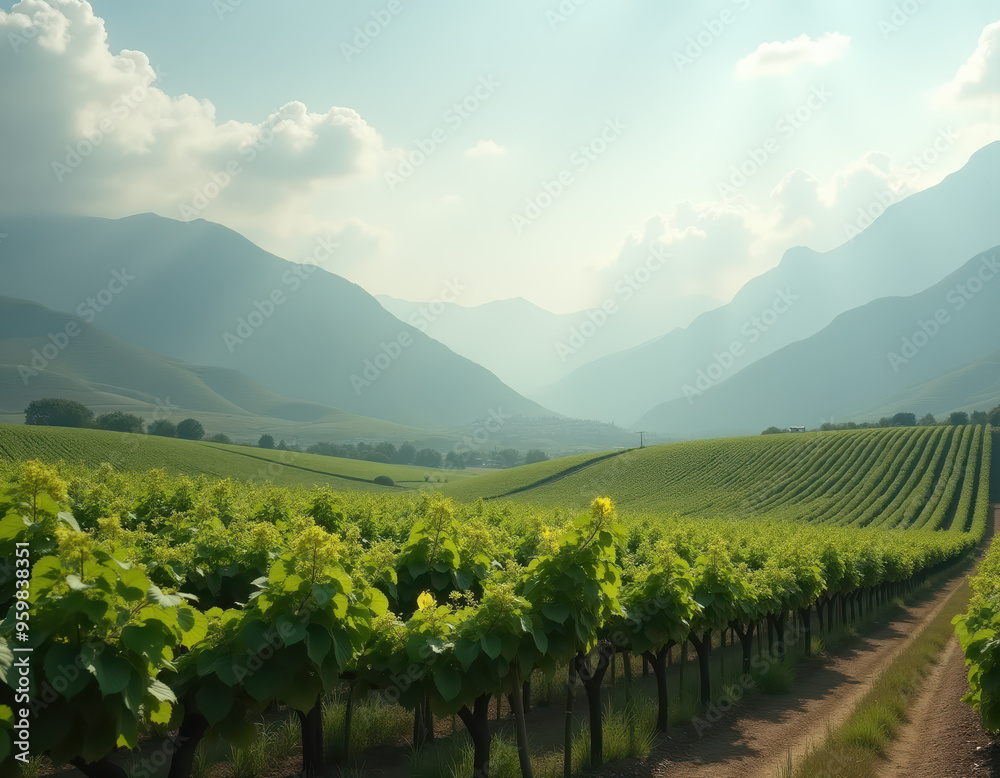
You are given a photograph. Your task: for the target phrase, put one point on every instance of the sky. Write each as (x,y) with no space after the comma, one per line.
(544,150)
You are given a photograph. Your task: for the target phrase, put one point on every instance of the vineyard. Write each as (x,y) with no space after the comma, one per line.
(194,617)
(906,477)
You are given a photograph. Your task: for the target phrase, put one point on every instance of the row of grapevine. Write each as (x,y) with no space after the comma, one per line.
(936,512)
(174,609)
(979,627)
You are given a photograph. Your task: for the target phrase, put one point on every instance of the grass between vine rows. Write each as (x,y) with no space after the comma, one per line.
(856,748)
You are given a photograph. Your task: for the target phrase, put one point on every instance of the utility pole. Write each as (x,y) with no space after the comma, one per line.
(640,434)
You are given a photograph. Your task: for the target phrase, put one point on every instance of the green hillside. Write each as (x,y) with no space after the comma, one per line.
(140,453)
(524,478)
(38,359)
(204,294)
(863,358)
(905,477)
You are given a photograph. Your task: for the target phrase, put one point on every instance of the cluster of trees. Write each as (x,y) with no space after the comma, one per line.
(408,454)
(904,419)
(58,412)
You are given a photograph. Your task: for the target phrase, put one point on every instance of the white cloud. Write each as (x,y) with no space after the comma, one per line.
(486,148)
(780,58)
(979,77)
(716,247)
(95,132)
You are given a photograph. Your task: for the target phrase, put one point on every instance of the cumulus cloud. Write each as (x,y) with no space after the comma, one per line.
(715,247)
(979,77)
(96,131)
(486,148)
(780,58)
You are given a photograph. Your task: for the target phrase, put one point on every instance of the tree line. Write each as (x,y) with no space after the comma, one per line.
(906,419)
(58,412)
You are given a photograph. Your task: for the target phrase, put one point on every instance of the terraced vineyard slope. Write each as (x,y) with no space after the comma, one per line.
(910,477)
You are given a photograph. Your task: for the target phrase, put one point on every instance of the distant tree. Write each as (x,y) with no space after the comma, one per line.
(119,421)
(384,480)
(995,416)
(928,420)
(885,421)
(56,412)
(376,456)
(428,457)
(534,456)
(220,437)
(405,454)
(266,441)
(190,429)
(958,418)
(980,417)
(163,428)
(386,448)
(776,431)
(904,420)
(510,457)
(455,460)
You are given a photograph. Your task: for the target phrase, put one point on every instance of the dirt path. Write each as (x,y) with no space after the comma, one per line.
(758,737)
(944,738)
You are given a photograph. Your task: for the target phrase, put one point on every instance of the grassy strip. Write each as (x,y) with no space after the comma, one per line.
(856,747)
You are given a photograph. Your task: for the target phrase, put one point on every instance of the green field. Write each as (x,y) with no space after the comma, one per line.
(139,453)
(919,477)
(696,541)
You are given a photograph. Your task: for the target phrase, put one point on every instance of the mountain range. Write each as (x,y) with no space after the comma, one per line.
(203,294)
(922,353)
(194,314)
(44,353)
(911,246)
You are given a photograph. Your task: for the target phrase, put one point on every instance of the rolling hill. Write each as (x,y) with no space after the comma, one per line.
(914,244)
(893,351)
(203,294)
(38,358)
(914,477)
(975,386)
(89,449)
